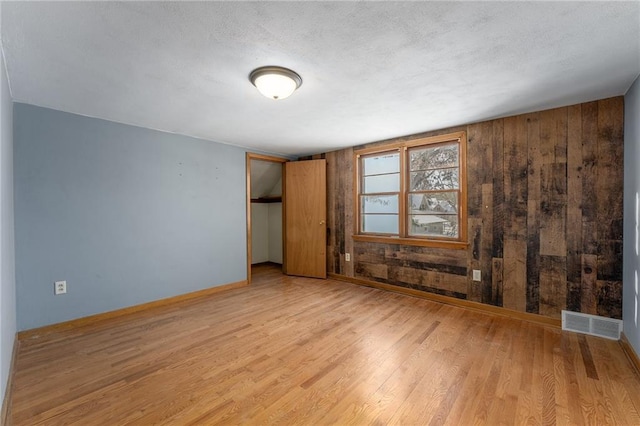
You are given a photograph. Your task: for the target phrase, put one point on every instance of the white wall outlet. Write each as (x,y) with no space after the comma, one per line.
(347,257)
(476,275)
(60,287)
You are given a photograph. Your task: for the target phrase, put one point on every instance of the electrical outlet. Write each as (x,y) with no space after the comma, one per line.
(476,275)
(347,257)
(60,287)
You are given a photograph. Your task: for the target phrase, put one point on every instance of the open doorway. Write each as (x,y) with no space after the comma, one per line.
(264,212)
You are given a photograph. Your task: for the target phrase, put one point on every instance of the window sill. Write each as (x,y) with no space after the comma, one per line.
(454,245)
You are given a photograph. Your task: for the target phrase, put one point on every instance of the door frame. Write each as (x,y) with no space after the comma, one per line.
(253,156)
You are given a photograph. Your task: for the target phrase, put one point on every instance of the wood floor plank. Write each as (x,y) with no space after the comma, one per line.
(291,350)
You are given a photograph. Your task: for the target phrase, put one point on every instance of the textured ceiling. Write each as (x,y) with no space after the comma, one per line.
(371,70)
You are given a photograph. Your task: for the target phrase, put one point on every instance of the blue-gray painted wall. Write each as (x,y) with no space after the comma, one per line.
(7,250)
(125,215)
(631,254)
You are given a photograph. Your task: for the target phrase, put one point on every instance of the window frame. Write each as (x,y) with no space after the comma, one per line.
(389,193)
(403,237)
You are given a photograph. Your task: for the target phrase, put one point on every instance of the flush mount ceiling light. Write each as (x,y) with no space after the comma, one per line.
(275,82)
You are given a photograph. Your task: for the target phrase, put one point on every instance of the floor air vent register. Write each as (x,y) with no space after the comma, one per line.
(591,324)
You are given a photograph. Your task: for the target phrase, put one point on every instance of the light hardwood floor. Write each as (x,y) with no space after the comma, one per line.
(301,351)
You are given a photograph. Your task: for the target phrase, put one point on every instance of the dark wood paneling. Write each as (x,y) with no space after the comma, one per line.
(609,207)
(348,185)
(553,212)
(574,207)
(589,274)
(608,296)
(334,219)
(544,216)
(498,188)
(480,201)
(340,211)
(497,280)
(515,205)
(553,285)
(589,177)
(486,247)
(533,213)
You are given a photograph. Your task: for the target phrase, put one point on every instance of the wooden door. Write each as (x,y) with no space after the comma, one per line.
(305,217)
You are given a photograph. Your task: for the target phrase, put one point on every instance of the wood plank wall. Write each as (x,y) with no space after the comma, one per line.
(544,216)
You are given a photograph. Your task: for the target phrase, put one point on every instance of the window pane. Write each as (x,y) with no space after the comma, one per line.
(443,225)
(434,157)
(380,223)
(388,162)
(379,204)
(434,203)
(381,183)
(434,180)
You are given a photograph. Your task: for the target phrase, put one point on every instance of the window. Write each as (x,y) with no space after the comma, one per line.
(380,192)
(413,192)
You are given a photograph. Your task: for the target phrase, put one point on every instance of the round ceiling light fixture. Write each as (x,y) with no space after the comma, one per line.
(275,82)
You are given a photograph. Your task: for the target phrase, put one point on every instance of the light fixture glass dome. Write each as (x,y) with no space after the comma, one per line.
(275,82)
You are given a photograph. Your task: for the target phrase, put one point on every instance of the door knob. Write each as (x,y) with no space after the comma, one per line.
(322,222)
